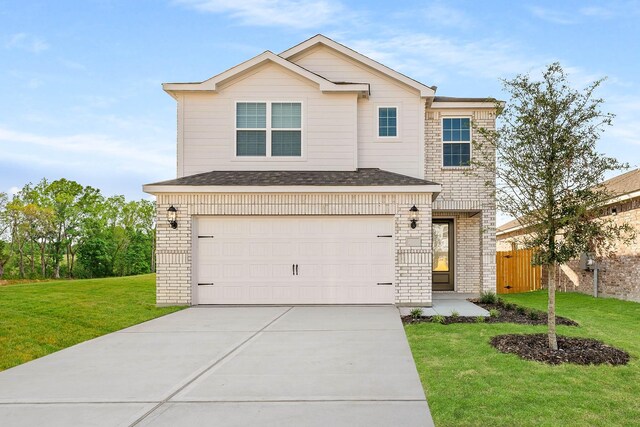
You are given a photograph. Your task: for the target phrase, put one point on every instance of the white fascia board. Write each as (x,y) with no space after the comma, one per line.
(425,91)
(158,189)
(211,85)
(462,105)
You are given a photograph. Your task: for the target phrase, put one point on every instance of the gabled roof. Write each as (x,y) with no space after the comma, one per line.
(211,85)
(425,91)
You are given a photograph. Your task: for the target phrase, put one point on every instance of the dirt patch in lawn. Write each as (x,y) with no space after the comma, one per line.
(581,351)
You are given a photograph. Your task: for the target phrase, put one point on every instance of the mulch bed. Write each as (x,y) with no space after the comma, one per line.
(513,315)
(508,314)
(581,351)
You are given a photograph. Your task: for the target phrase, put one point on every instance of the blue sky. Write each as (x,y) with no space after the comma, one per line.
(80,80)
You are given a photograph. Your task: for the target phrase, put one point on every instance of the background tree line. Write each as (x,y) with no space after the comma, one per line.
(62,229)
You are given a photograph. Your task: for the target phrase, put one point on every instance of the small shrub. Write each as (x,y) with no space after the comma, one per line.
(479,319)
(521,310)
(416,313)
(509,306)
(494,313)
(438,318)
(534,315)
(488,297)
(454,314)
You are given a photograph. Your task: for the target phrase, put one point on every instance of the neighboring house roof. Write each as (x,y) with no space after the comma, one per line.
(622,187)
(366,179)
(626,183)
(211,85)
(425,91)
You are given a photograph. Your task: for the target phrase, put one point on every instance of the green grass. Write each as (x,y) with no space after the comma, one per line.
(39,318)
(469,383)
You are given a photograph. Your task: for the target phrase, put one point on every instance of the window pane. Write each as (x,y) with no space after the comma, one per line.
(440,247)
(456,154)
(286,115)
(387,121)
(286,143)
(458,129)
(251,115)
(251,143)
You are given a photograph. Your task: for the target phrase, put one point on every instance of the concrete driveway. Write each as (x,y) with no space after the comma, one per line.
(231,366)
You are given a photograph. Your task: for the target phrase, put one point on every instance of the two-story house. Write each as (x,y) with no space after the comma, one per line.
(320,176)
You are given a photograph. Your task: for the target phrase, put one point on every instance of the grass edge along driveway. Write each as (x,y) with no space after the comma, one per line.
(37,319)
(469,383)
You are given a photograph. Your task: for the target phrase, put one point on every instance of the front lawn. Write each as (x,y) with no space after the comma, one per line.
(39,318)
(469,383)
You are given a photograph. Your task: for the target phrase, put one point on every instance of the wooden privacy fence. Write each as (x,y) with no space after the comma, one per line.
(515,272)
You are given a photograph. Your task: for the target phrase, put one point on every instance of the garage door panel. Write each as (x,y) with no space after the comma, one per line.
(340,260)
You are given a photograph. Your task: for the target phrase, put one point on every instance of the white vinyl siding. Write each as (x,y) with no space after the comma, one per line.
(403,154)
(207,125)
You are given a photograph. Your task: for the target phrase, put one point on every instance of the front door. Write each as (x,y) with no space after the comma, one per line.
(443,255)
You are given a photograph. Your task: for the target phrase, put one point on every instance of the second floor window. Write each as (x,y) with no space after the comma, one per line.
(387,122)
(456,142)
(280,136)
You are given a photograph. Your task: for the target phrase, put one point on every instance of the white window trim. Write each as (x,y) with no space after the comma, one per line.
(268,129)
(377,120)
(442,142)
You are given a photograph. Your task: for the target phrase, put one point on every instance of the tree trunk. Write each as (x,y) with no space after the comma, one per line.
(43,259)
(21,262)
(551,317)
(1,270)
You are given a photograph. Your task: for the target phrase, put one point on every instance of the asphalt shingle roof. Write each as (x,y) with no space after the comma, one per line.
(360,177)
(626,183)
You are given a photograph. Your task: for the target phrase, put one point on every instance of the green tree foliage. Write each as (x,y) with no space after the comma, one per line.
(549,172)
(63,228)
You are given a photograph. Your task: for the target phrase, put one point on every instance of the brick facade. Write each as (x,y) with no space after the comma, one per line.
(618,273)
(466,198)
(412,246)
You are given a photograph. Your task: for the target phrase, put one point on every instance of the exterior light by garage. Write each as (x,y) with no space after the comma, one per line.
(172,217)
(414,216)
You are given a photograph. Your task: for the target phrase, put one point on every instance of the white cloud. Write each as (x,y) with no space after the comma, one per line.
(289,13)
(436,58)
(13,191)
(444,15)
(26,42)
(90,152)
(553,15)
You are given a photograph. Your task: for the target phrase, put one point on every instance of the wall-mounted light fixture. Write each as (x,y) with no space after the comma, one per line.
(413,215)
(172,217)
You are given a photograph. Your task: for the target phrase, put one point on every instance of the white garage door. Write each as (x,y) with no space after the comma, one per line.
(295,260)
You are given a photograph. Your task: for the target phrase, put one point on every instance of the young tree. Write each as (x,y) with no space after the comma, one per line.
(5,236)
(548,170)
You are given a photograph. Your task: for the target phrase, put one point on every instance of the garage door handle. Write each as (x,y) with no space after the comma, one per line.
(385,284)
(296,269)
(293,269)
